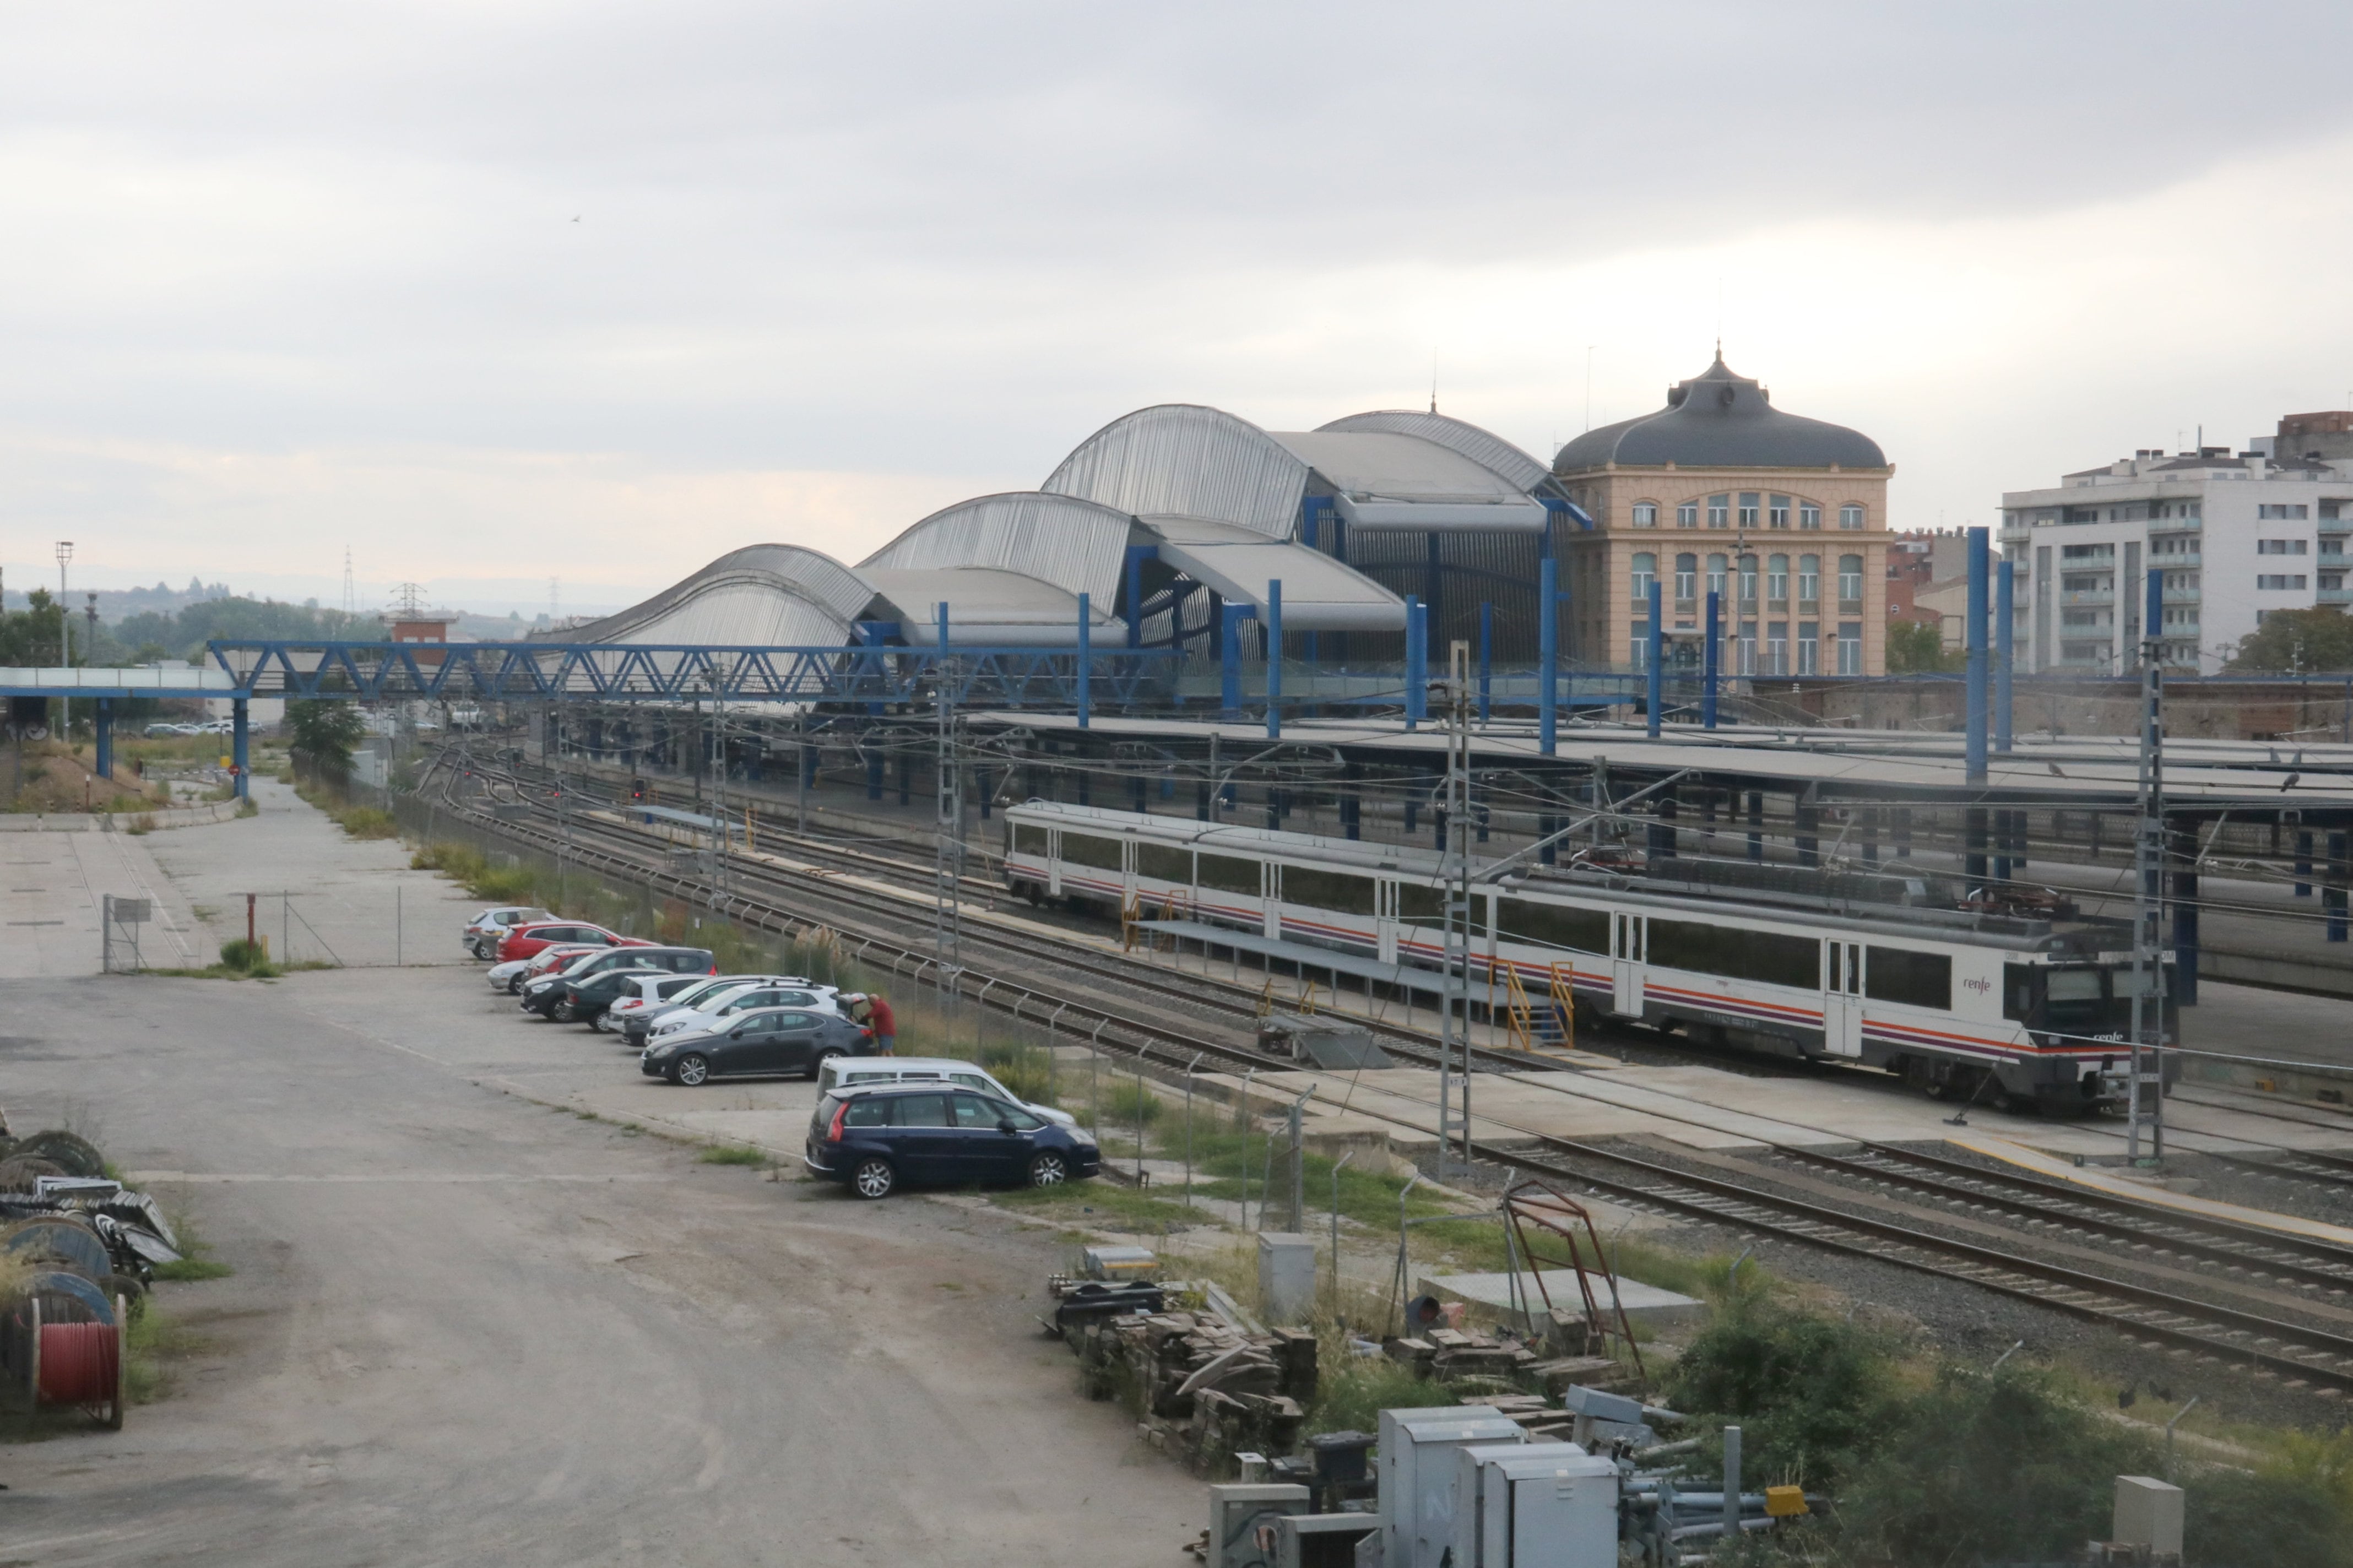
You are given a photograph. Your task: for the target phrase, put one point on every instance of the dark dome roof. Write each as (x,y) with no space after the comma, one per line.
(1719,420)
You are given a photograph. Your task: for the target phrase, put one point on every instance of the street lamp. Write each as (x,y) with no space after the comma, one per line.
(65,636)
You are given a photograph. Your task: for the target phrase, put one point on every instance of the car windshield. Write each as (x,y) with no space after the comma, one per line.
(705,990)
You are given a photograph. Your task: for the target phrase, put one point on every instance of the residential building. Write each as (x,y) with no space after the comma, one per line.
(1784,518)
(2236,537)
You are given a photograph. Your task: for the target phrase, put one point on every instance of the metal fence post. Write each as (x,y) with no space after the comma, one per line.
(398,928)
(1336,1229)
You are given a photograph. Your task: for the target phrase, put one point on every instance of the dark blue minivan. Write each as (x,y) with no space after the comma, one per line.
(878,1137)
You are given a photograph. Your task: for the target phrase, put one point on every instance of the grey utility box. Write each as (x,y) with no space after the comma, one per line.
(1534,1505)
(1322,1540)
(1418,1476)
(1286,1275)
(2148,1513)
(1238,1512)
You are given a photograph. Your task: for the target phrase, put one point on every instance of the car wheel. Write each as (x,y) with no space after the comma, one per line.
(873,1179)
(561,1013)
(1049,1169)
(691,1069)
(817,1065)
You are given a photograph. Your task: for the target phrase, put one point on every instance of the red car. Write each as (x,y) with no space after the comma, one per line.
(526,941)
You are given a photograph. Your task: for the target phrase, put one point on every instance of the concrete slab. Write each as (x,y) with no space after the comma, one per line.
(2108,1181)
(1644,1303)
(51,885)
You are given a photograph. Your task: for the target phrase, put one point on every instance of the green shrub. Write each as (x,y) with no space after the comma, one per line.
(1811,1395)
(247,958)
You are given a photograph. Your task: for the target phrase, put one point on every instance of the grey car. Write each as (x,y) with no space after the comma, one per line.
(640,1028)
(765,1042)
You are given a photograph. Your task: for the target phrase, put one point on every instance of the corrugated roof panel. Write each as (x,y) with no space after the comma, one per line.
(764,594)
(1319,593)
(1383,465)
(1075,544)
(987,606)
(1482,447)
(1182,459)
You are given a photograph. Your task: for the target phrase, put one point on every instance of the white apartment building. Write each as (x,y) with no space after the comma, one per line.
(2236,537)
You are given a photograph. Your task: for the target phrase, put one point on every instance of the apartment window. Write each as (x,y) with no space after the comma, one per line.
(1809,516)
(1646,514)
(2083,618)
(1850,516)
(1748,647)
(1687,514)
(1642,650)
(1776,577)
(1776,648)
(1646,572)
(2332,581)
(2332,511)
(1748,579)
(1850,579)
(1686,577)
(2087,552)
(2276,582)
(1716,570)
(2283,513)
(2329,547)
(1810,577)
(1748,508)
(1810,648)
(2279,546)
(1850,641)
(1719,512)
(1776,514)
(2187,616)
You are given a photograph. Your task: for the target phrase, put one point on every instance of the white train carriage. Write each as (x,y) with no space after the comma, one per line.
(1943,997)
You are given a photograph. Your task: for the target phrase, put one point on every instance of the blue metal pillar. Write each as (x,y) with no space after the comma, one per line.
(1417,661)
(1230,656)
(1654,656)
(102,735)
(1136,554)
(1547,656)
(1708,663)
(2152,623)
(2004,620)
(239,752)
(1974,745)
(1486,658)
(1274,659)
(1086,654)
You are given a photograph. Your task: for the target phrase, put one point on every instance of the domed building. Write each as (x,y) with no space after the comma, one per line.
(1784,518)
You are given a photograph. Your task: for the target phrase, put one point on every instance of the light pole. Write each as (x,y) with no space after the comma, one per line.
(65,638)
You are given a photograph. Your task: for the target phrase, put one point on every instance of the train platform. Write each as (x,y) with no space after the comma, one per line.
(2124,1184)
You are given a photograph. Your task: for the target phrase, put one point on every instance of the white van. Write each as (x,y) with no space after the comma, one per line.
(846,1072)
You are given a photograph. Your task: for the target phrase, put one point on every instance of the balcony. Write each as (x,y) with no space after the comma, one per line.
(2334,596)
(2180,596)
(2087,596)
(2177,562)
(2335,525)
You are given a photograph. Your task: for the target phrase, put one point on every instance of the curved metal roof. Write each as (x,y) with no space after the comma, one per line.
(780,595)
(1483,448)
(1183,459)
(1720,420)
(1077,546)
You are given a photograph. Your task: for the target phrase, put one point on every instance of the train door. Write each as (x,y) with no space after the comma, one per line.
(1127,874)
(1054,863)
(1385,918)
(1843,998)
(1628,937)
(1270,889)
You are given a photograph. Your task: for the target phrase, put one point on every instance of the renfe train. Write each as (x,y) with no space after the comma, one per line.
(1892,971)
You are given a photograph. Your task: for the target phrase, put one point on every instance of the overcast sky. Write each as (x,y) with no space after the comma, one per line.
(490,293)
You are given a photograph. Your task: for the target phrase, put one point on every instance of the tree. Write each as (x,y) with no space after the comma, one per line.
(326,731)
(1917,648)
(2297,642)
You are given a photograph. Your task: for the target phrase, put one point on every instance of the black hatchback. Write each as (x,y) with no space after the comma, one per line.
(877,1137)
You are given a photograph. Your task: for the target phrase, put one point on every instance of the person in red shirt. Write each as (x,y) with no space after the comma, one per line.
(875,1013)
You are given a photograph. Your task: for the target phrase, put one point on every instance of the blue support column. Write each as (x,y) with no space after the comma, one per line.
(1416,673)
(1654,656)
(1229,658)
(1086,654)
(2004,621)
(1274,659)
(1974,637)
(1547,656)
(1708,662)
(1486,658)
(102,734)
(240,749)
(2152,621)
(1136,554)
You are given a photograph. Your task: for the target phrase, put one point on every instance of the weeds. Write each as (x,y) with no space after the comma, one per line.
(735,1154)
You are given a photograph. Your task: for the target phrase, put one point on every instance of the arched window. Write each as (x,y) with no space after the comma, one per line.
(1686,577)
(1646,572)
(1748,508)
(1646,514)
(1687,514)
(1810,577)
(1776,512)
(1810,515)
(1748,579)
(1715,569)
(1850,516)
(1777,578)
(1719,512)
(1850,579)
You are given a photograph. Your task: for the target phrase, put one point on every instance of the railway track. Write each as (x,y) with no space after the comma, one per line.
(2298,1355)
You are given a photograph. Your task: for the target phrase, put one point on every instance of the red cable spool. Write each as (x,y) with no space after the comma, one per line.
(79,1362)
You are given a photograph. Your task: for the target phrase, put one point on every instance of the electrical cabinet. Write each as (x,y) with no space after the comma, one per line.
(1322,1540)
(1242,1518)
(1418,1476)
(1534,1505)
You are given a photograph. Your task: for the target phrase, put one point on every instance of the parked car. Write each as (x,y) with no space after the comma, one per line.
(639,991)
(640,1026)
(525,940)
(584,1000)
(764,1042)
(878,1138)
(743,999)
(543,993)
(484,932)
(930,1069)
(511,976)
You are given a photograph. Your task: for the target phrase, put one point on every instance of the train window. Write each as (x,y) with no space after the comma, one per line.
(2018,992)
(1085,849)
(1228,873)
(1737,954)
(1029,839)
(1327,891)
(1554,925)
(1915,979)
(1164,862)
(1416,902)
